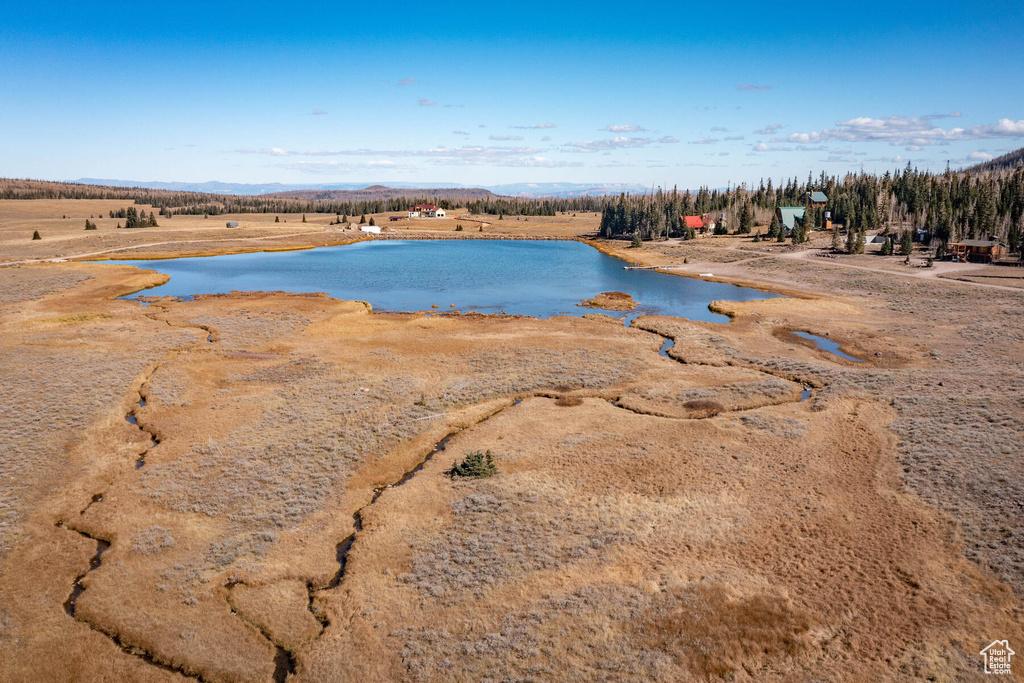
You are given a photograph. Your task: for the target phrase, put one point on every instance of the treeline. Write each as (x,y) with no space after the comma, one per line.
(549,206)
(952,205)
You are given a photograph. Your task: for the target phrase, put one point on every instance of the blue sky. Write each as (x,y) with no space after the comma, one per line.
(660,94)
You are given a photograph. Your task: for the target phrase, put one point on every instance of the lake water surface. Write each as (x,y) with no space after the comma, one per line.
(518,277)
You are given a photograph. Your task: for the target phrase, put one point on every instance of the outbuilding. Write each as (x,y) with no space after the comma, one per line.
(375,229)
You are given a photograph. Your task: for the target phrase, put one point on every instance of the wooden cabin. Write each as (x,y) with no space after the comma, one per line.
(984,251)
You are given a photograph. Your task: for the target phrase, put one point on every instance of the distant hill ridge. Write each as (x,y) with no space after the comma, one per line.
(1006,162)
(383,192)
(526,190)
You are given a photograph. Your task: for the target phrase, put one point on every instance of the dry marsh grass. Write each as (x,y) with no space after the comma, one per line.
(769,539)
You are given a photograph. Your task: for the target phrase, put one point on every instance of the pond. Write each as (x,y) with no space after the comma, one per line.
(827,345)
(517,277)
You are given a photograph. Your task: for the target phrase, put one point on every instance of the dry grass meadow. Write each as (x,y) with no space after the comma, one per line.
(252,487)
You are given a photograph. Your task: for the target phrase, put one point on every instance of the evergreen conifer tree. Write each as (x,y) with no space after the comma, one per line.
(906,243)
(35,235)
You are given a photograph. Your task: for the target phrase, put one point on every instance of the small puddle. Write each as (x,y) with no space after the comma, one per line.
(806,393)
(131,419)
(669,343)
(827,345)
(284,665)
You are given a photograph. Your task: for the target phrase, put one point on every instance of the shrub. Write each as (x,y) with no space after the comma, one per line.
(35,235)
(478,465)
(637,241)
(458,228)
(703,407)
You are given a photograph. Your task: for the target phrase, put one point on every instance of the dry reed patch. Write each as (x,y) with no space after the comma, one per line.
(611,301)
(703,407)
(713,634)
(278,609)
(569,401)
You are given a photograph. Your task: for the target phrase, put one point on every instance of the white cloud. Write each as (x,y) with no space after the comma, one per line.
(406,81)
(624,128)
(719,129)
(506,138)
(733,137)
(980,156)
(770,129)
(318,112)
(539,126)
(459,132)
(912,132)
(705,141)
(749,87)
(619,142)
(424,102)
(667,140)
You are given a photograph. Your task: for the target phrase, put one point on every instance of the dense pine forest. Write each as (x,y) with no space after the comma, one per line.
(950,206)
(984,201)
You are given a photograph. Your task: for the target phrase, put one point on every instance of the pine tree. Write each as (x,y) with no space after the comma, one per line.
(851,239)
(906,243)
(746,219)
(131,218)
(277,219)
(837,243)
(371,221)
(35,235)
(362,219)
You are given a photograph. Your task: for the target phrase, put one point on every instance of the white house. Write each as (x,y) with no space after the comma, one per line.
(426,211)
(375,229)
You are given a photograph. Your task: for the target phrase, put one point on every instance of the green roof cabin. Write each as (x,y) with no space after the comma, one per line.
(816,198)
(789,215)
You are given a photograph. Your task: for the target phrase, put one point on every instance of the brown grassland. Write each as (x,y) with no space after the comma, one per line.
(252,487)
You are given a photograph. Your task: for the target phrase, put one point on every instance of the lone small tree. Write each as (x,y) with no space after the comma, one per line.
(303,218)
(746,219)
(277,219)
(35,235)
(637,241)
(476,465)
(906,243)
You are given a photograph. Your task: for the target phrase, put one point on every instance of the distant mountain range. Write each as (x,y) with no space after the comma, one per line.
(513,189)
